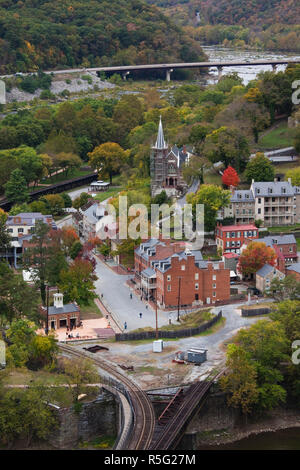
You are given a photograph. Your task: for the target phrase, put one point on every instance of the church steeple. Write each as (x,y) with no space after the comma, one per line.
(160,141)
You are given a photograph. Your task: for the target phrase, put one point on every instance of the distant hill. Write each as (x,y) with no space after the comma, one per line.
(239,12)
(64,33)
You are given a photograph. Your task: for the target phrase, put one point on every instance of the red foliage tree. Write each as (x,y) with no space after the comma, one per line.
(230,177)
(255,256)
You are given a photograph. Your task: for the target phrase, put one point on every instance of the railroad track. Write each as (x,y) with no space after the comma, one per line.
(143,412)
(170,436)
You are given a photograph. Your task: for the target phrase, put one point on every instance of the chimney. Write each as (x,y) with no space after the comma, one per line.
(252,181)
(58,300)
(290,180)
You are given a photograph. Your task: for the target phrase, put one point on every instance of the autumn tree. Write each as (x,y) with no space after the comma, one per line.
(230,177)
(254,257)
(294,174)
(107,159)
(240,382)
(259,169)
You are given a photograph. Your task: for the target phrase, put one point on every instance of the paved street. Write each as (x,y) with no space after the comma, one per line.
(116,297)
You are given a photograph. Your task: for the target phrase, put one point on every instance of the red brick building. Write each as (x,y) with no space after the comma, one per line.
(173,274)
(60,315)
(230,238)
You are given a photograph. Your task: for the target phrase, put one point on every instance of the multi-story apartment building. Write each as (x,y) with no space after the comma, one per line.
(175,276)
(230,238)
(275,203)
(21,227)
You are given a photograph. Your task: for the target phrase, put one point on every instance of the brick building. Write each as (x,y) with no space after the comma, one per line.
(285,246)
(175,275)
(60,315)
(230,238)
(294,270)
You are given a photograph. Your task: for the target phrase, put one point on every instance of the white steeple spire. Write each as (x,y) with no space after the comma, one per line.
(160,141)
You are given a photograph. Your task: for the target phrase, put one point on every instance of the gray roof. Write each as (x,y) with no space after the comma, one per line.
(29,218)
(149,272)
(294,267)
(265,270)
(148,247)
(68,308)
(180,154)
(277,240)
(275,188)
(160,141)
(242,195)
(164,264)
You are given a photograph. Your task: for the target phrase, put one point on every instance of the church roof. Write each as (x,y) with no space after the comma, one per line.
(160,141)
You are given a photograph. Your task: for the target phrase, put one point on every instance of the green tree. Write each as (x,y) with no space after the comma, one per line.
(16,189)
(214,198)
(294,174)
(107,159)
(4,235)
(79,372)
(77,283)
(259,169)
(284,289)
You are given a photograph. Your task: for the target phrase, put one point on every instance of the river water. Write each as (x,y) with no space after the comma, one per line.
(287,439)
(247,73)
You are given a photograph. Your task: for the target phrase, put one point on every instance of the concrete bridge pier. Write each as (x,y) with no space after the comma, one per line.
(168,74)
(2,92)
(124,75)
(274,68)
(220,71)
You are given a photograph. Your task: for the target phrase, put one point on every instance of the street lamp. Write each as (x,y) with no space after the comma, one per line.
(178,306)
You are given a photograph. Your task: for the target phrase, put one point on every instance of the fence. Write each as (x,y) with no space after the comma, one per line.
(169,334)
(252,312)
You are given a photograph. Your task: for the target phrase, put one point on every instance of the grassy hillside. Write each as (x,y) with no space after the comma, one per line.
(42,34)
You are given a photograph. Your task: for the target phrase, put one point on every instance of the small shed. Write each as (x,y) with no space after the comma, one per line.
(197,355)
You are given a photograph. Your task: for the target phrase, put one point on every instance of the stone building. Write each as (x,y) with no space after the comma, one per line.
(166,167)
(265,276)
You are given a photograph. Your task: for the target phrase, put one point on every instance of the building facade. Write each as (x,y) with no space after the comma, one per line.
(275,203)
(230,238)
(265,276)
(60,315)
(179,277)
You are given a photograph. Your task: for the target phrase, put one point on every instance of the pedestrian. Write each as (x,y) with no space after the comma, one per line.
(141,314)
(125,326)
(147,306)
(130,295)
(101,296)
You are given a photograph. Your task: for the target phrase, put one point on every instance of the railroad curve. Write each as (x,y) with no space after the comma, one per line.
(143,412)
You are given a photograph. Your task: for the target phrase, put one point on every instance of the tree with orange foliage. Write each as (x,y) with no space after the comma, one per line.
(230,177)
(255,256)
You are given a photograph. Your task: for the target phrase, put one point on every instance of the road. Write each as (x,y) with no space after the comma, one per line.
(116,296)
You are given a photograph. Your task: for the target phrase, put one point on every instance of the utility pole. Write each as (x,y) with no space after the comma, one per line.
(47,318)
(156,322)
(179,285)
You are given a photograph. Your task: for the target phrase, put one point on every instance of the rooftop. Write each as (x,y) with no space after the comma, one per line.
(294,267)
(265,270)
(232,228)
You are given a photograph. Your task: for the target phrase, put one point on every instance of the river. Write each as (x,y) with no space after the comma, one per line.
(287,439)
(247,73)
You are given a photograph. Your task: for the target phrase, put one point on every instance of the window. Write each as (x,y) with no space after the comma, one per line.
(214,294)
(290,249)
(214,285)
(169,288)
(196,276)
(239,234)
(20,230)
(259,200)
(227,244)
(259,211)
(168,278)
(10,230)
(214,277)
(196,286)
(232,234)
(182,267)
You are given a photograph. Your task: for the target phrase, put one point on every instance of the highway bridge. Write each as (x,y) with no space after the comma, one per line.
(126,69)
